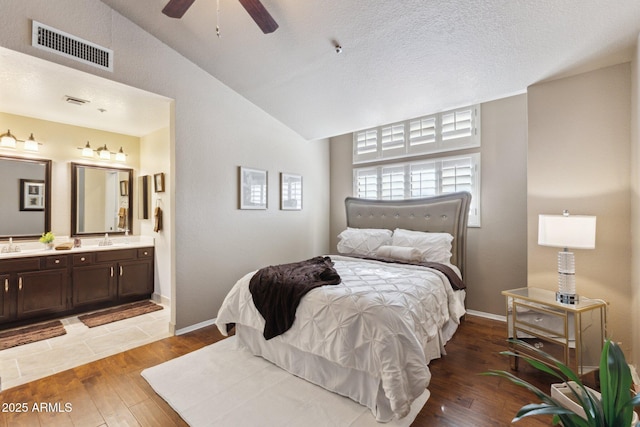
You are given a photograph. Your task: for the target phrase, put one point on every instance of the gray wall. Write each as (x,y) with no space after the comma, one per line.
(579,159)
(213,131)
(497,251)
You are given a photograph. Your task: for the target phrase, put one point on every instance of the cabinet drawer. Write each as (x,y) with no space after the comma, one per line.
(145,253)
(541,320)
(83,259)
(55,262)
(20,264)
(115,255)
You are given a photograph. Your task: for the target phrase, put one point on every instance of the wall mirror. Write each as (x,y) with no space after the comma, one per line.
(101,199)
(25,189)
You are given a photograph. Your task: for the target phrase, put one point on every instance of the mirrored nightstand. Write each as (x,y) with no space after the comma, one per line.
(572,333)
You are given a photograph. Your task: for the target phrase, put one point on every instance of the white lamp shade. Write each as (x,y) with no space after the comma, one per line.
(567,231)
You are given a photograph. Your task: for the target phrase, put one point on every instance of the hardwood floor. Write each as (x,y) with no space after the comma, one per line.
(111,392)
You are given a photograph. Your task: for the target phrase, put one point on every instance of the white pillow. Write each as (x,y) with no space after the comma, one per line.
(435,247)
(363,241)
(401,253)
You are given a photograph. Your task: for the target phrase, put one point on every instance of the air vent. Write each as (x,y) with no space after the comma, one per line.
(74,100)
(56,41)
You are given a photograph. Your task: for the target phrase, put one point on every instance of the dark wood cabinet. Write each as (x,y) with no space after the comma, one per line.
(42,292)
(4,298)
(39,287)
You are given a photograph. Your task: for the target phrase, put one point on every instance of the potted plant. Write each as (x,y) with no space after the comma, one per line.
(48,238)
(613,407)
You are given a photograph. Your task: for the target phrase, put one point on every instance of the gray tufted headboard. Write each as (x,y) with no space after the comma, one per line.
(447,213)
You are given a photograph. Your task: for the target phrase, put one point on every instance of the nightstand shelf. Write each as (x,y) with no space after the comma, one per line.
(572,333)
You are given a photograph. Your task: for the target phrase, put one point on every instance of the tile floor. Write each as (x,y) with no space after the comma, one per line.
(80,345)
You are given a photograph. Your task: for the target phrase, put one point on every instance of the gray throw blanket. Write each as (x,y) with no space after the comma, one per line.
(277,290)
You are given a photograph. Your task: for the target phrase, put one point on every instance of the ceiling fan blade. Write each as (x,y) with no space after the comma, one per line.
(177,8)
(259,14)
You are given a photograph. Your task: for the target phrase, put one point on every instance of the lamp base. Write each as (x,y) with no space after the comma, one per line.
(567,298)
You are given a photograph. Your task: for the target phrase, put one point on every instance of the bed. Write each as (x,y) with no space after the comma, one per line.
(370,336)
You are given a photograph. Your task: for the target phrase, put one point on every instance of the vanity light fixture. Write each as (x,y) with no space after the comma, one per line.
(87,151)
(120,156)
(104,153)
(31,144)
(7,140)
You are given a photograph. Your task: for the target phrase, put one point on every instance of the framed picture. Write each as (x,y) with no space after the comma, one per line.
(253,188)
(124,188)
(158,182)
(290,192)
(31,195)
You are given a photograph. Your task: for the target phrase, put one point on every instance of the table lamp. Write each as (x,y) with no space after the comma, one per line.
(567,231)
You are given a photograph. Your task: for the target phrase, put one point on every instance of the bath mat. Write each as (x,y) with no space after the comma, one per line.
(224,385)
(119,313)
(29,334)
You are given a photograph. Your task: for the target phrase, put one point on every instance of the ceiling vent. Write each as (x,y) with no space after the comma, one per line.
(56,41)
(74,100)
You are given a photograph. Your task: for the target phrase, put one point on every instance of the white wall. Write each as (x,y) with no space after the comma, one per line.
(579,160)
(214,130)
(635,206)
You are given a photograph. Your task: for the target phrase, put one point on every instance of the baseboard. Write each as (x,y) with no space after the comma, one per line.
(487,315)
(161,299)
(195,327)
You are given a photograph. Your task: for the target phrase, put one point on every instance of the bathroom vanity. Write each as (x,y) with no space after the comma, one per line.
(41,284)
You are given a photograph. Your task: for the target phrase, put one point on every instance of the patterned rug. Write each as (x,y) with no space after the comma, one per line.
(119,313)
(29,334)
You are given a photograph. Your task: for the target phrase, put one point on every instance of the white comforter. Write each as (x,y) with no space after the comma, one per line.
(378,320)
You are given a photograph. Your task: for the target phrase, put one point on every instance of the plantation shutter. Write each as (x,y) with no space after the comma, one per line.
(367,183)
(423,179)
(392,181)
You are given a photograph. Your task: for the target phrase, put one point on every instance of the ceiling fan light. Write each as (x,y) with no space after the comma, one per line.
(7,140)
(31,144)
(87,151)
(120,156)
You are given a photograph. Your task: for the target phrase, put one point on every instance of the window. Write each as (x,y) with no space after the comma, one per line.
(422,178)
(437,133)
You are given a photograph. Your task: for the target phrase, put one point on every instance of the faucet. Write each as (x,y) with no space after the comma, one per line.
(10,248)
(106,241)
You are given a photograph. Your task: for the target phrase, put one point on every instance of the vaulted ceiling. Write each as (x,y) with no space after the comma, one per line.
(400,59)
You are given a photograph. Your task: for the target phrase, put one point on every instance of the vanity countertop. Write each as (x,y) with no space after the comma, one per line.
(31,249)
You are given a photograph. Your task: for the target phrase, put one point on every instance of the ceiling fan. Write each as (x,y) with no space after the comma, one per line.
(177,8)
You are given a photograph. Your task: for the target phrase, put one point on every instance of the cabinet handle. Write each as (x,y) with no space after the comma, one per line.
(146,253)
(57,261)
(6,285)
(120,270)
(20,283)
(82,259)
(111,271)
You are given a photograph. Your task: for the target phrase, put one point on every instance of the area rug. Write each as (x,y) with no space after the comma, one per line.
(29,334)
(119,313)
(223,385)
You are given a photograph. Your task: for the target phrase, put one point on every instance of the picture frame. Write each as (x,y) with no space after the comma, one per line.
(158,182)
(253,188)
(124,188)
(32,197)
(290,192)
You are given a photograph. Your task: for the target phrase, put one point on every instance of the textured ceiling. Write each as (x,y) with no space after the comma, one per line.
(400,59)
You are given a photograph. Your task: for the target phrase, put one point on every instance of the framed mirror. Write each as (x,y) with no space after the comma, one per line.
(101,199)
(25,189)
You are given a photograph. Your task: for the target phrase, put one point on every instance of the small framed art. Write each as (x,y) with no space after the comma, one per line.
(158,182)
(253,188)
(290,192)
(31,195)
